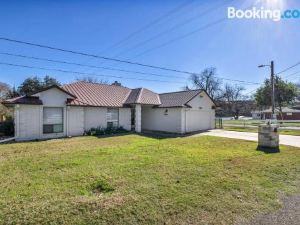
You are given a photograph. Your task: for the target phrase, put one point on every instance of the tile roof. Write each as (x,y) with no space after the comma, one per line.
(177,99)
(104,95)
(143,96)
(30,100)
(92,94)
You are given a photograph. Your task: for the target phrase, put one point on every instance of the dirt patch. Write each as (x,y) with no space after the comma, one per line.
(288,214)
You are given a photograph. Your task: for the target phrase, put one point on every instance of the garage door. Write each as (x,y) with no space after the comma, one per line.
(198,120)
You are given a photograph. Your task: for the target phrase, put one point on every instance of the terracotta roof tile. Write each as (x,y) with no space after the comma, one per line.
(103,95)
(177,99)
(91,94)
(30,100)
(143,96)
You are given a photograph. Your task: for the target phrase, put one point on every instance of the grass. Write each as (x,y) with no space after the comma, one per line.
(133,179)
(258,122)
(255,130)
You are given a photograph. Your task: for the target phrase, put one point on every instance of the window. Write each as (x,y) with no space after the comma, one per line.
(289,114)
(112,117)
(53,120)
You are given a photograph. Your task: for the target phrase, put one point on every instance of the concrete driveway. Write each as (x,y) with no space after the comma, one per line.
(283,139)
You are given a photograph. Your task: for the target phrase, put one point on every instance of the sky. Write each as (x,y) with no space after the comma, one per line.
(178,34)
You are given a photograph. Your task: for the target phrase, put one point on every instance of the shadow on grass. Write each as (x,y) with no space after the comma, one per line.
(268,150)
(150,134)
(165,135)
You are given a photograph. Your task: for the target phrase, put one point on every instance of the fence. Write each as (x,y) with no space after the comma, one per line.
(218,123)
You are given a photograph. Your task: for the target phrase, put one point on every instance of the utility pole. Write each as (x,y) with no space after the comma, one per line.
(268,136)
(273,90)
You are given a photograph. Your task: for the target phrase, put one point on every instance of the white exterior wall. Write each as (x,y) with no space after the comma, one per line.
(155,119)
(125,118)
(29,118)
(138,118)
(27,122)
(75,121)
(53,98)
(94,117)
(200,116)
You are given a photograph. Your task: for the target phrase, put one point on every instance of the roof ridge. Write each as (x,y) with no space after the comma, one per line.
(100,84)
(139,95)
(180,91)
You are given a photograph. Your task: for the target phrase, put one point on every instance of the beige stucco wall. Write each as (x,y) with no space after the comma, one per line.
(155,119)
(29,118)
(75,121)
(200,116)
(27,122)
(94,117)
(125,118)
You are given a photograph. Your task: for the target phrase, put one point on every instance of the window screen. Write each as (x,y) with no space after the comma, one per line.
(112,117)
(52,120)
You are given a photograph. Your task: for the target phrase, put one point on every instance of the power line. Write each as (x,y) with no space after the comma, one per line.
(156,21)
(288,68)
(92,55)
(181,37)
(91,66)
(82,73)
(152,23)
(172,28)
(290,75)
(178,38)
(184,35)
(250,92)
(112,59)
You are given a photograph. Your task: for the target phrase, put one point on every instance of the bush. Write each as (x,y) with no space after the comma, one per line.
(7,128)
(104,131)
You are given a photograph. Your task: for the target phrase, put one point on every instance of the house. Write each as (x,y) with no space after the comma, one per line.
(286,114)
(74,108)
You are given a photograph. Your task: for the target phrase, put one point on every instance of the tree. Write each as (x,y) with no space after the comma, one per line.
(49,81)
(30,85)
(92,80)
(232,99)
(12,93)
(298,86)
(207,81)
(285,93)
(4,89)
(34,84)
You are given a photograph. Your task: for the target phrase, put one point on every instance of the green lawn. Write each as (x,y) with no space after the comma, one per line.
(141,180)
(255,130)
(258,122)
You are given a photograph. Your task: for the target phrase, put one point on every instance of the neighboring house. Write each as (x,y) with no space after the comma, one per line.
(72,109)
(235,108)
(286,114)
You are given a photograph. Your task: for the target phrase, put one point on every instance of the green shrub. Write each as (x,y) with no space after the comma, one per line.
(7,128)
(106,131)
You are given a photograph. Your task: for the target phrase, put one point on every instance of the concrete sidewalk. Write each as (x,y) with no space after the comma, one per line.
(283,139)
